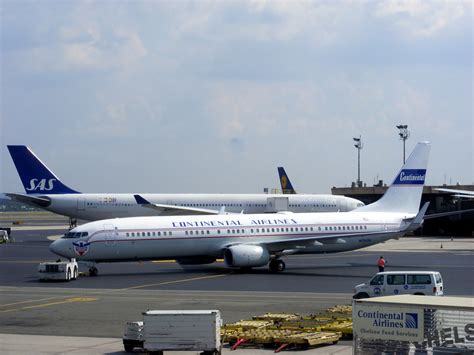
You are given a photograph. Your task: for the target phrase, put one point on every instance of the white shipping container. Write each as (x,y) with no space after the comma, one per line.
(182,330)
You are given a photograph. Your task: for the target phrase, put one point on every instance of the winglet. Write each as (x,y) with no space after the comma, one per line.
(141,201)
(418,220)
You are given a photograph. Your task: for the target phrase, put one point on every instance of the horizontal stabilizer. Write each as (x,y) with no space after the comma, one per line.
(417,221)
(36,201)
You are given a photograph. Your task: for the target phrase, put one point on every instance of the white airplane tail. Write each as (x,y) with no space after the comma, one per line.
(404,195)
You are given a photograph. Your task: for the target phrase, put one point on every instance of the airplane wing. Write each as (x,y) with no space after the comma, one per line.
(459,193)
(172,210)
(38,201)
(290,245)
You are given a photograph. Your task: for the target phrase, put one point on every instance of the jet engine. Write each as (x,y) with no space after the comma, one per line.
(244,255)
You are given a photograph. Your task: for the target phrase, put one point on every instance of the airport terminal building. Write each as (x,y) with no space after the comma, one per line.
(454,225)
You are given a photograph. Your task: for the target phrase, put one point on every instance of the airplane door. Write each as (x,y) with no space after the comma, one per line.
(81,204)
(110,235)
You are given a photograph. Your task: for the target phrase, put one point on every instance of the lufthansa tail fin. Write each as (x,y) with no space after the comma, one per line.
(404,195)
(285,183)
(35,176)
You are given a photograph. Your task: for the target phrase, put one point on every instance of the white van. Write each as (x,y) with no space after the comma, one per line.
(401,282)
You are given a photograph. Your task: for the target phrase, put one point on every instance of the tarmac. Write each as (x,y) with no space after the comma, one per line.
(48,345)
(30,311)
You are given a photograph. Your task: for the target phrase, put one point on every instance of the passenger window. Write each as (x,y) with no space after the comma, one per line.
(438,278)
(164,233)
(377,280)
(148,234)
(419,279)
(395,279)
(170,233)
(159,234)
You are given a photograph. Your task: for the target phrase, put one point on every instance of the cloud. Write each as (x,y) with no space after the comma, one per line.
(422,19)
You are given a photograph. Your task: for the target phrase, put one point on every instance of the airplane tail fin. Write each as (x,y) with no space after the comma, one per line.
(286,186)
(404,195)
(34,174)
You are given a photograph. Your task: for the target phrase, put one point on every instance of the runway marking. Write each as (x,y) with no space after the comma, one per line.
(172,282)
(68,300)
(17,303)
(174,261)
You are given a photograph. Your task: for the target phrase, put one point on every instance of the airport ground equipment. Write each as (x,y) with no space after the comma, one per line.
(133,336)
(196,330)
(410,324)
(388,283)
(285,330)
(5,235)
(58,270)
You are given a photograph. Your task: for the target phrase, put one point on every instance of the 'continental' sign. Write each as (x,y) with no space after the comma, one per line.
(388,323)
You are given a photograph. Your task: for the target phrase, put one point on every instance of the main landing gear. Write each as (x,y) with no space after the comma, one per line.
(277,265)
(93,271)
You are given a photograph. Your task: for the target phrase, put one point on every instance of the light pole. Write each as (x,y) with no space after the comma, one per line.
(359,146)
(404,134)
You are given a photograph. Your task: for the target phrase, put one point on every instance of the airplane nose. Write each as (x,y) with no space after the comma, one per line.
(57,247)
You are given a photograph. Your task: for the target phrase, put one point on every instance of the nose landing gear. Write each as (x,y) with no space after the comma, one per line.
(277,265)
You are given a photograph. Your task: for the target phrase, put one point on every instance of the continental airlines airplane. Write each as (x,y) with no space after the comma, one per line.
(253,240)
(45,190)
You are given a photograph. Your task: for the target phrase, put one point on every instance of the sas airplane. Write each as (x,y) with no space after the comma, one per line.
(45,190)
(286,186)
(253,240)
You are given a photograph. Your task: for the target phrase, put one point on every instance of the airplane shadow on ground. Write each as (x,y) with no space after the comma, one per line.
(341,271)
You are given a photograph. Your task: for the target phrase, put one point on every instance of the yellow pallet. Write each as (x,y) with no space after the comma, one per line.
(309,339)
(340,309)
(277,317)
(248,324)
(257,336)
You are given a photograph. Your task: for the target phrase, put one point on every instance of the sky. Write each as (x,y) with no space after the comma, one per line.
(212,96)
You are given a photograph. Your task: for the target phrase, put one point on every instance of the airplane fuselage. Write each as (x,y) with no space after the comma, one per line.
(154,238)
(92,207)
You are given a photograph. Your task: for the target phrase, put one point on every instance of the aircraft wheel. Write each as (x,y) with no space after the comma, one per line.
(277,265)
(93,271)
(68,277)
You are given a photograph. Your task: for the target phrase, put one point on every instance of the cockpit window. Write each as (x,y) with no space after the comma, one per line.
(75,234)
